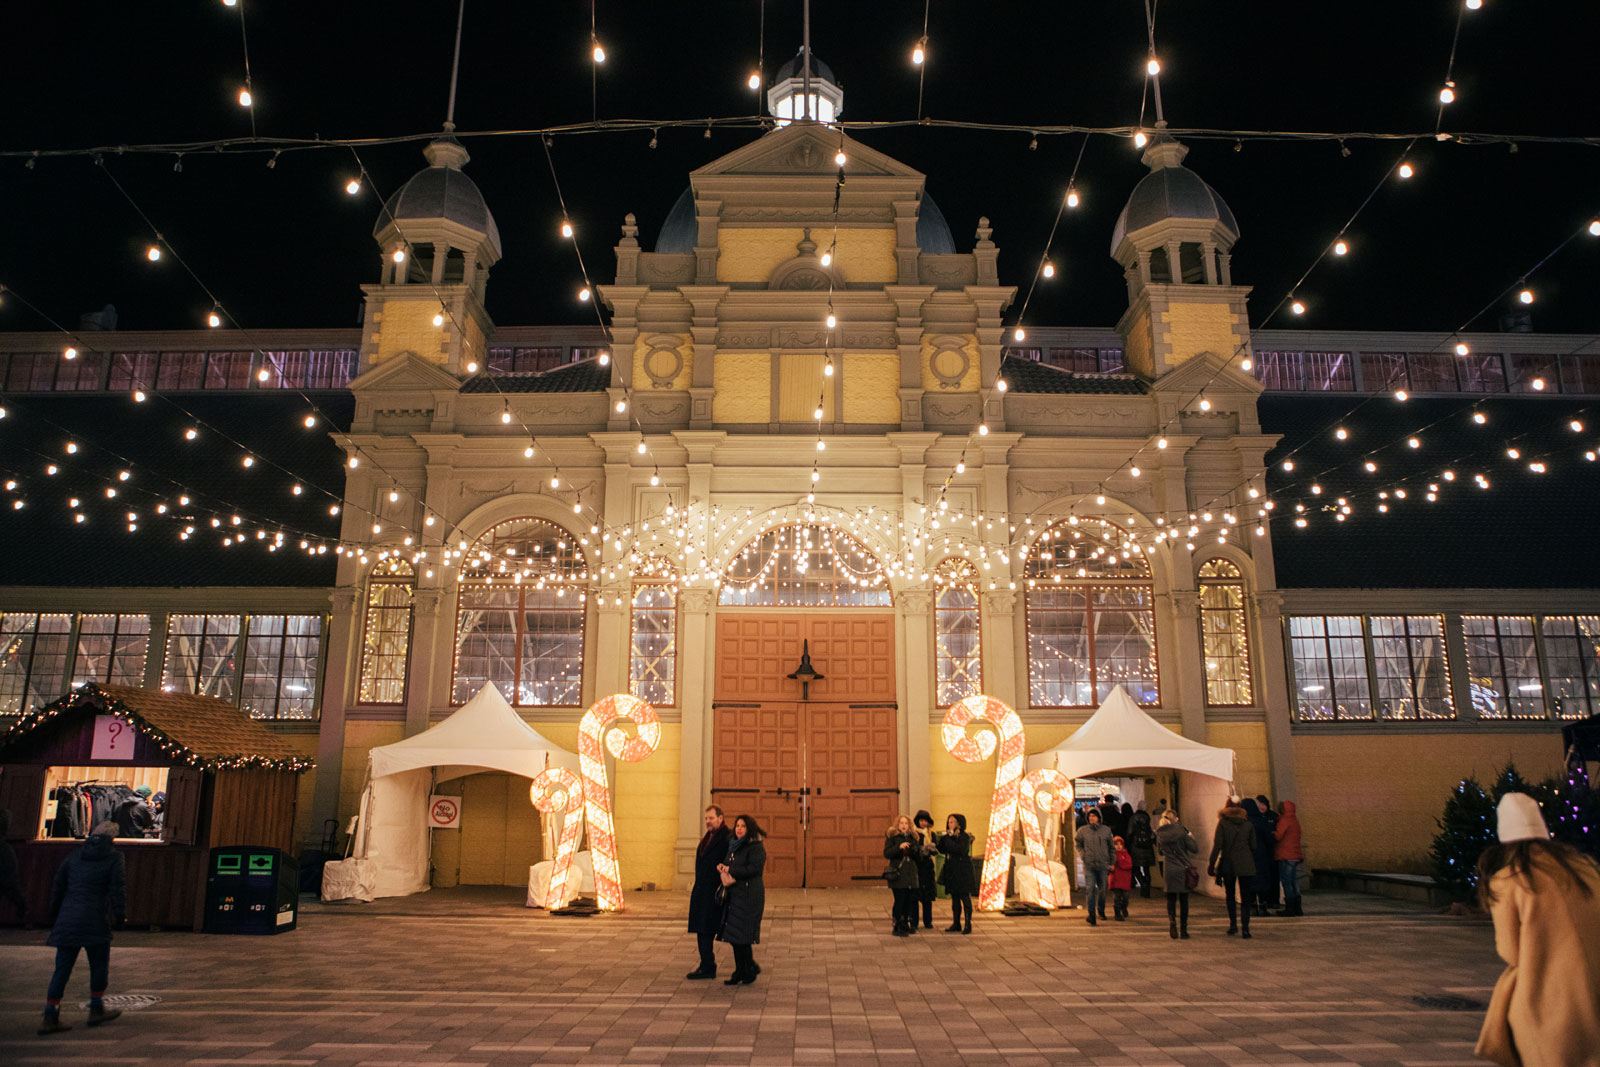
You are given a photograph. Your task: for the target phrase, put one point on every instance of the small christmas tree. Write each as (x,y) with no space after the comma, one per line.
(1468,826)
(1574,812)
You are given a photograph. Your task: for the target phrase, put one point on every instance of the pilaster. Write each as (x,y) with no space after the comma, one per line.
(1272,692)
(1191,676)
(425,633)
(335,697)
(918,704)
(694,707)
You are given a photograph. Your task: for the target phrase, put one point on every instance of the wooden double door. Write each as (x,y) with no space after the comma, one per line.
(821,775)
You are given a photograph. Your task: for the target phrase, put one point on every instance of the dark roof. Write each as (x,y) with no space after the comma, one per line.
(44,546)
(214,732)
(584,376)
(439,192)
(933,232)
(791,69)
(1171,193)
(680,232)
(1030,376)
(1527,531)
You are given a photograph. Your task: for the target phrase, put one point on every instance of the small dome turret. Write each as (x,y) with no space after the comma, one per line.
(1174,221)
(786,99)
(440,206)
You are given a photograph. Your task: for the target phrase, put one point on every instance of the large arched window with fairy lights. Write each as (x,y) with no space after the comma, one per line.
(806,565)
(386,632)
(1224,636)
(653,630)
(957,647)
(520,616)
(1090,616)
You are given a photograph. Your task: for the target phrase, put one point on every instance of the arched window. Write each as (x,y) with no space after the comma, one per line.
(809,565)
(653,650)
(520,616)
(1090,616)
(957,647)
(1224,636)
(386,632)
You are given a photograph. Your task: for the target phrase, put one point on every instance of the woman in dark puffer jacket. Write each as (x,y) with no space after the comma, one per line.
(747,897)
(1233,862)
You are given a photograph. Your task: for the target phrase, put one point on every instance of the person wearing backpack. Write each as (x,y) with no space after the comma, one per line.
(1142,848)
(1178,849)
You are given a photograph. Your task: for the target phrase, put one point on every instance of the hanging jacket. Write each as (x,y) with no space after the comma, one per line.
(90,888)
(1287,835)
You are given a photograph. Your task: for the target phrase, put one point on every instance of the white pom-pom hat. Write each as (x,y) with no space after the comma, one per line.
(1520,819)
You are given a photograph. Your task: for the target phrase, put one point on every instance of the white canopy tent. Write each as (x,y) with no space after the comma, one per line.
(1120,736)
(484,734)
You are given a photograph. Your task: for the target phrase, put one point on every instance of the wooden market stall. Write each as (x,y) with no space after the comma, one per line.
(227,780)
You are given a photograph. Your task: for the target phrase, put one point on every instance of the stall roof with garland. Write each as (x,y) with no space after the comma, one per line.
(199,730)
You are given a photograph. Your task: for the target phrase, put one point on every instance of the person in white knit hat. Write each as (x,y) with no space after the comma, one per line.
(1545,899)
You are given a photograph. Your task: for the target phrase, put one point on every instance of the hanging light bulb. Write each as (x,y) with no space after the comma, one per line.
(1134,471)
(1447,95)
(961,468)
(1245,364)
(214,320)
(399,255)
(353,186)
(472,367)
(816,475)
(1161,443)
(622,405)
(1018,334)
(1298,307)
(527,453)
(605,359)
(1000,384)
(1406,170)
(1048,270)
(1461,348)
(583,294)
(355,461)
(1473,5)
(1340,248)
(832,320)
(822,446)
(1341,433)
(1402,395)
(1140,140)
(1205,405)
(310,421)
(1152,67)
(839,158)
(438,319)
(827,258)
(245,99)
(827,369)
(153,253)
(1479,417)
(263,375)
(297,490)
(394,496)
(69,353)
(817,414)
(919,53)
(1594,228)
(1413,442)
(983,429)
(190,434)
(1072,197)
(505,416)
(1526,296)
(599,52)
(138,396)
(566,228)
(555,482)
(755,82)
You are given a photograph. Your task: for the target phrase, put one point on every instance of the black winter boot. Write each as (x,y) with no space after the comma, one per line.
(1173,925)
(1244,931)
(98,1014)
(52,1024)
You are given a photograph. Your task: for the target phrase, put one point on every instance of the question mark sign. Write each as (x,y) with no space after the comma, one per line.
(114,728)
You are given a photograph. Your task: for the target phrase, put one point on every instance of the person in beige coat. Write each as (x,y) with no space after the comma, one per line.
(1545,900)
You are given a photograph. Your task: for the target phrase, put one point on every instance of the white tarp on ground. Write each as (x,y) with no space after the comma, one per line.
(484,734)
(1120,736)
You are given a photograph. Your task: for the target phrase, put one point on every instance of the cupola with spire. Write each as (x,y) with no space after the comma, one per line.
(1174,240)
(788,97)
(437,241)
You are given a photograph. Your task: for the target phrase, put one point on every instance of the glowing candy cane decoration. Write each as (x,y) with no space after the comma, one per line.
(1008,772)
(557,791)
(1046,789)
(597,722)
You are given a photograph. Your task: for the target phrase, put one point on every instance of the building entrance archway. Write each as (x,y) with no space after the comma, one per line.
(817,767)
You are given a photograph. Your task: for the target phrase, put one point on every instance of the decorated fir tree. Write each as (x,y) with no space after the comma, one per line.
(1467,826)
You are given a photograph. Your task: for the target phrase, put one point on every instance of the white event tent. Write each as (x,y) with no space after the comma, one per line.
(484,734)
(1121,736)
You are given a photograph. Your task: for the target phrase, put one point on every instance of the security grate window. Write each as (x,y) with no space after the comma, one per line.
(652,674)
(958,658)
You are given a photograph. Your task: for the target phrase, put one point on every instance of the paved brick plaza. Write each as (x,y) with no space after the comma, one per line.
(469,977)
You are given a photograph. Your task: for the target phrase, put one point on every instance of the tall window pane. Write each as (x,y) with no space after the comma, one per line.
(1224,635)
(957,648)
(652,672)
(202,655)
(1572,653)
(386,633)
(520,616)
(280,668)
(1090,616)
(1503,666)
(1413,673)
(1330,668)
(111,648)
(33,660)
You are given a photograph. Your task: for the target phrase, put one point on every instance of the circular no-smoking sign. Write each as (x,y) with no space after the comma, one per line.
(444,812)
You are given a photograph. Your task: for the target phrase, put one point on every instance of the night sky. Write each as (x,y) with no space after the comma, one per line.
(286,247)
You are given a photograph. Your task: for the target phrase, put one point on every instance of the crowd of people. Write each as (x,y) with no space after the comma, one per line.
(909,848)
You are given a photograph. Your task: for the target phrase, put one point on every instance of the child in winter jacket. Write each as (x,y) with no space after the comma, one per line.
(1121,878)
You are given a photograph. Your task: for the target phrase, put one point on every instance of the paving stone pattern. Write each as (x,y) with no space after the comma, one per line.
(466,976)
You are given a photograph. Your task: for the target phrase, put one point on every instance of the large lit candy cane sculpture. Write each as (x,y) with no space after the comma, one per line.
(558,791)
(1046,789)
(597,723)
(1008,772)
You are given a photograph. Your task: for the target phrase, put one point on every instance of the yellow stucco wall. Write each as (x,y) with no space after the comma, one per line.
(949,363)
(1252,770)
(641,363)
(1192,328)
(1136,349)
(407,326)
(1370,800)
(750,254)
(800,383)
(743,382)
(359,739)
(872,387)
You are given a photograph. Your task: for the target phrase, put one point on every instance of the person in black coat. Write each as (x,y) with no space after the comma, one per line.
(705,910)
(134,816)
(741,871)
(958,879)
(927,888)
(1260,886)
(1269,896)
(1142,849)
(901,846)
(90,889)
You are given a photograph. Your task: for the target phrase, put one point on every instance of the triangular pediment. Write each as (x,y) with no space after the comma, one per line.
(805,148)
(1207,371)
(407,372)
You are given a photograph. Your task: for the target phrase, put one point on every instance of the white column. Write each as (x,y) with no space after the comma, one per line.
(918,700)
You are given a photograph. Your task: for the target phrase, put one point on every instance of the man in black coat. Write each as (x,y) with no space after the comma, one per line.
(705,913)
